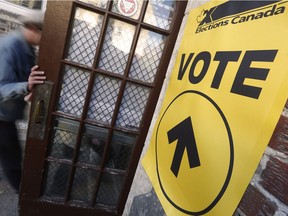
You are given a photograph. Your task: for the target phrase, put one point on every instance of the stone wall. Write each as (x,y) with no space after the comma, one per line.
(267,193)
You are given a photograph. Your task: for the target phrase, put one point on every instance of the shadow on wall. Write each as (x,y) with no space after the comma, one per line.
(146,204)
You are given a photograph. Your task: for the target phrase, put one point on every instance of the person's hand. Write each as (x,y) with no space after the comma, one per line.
(36,77)
(28,97)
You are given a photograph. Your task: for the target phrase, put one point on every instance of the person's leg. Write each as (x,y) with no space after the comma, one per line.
(10,154)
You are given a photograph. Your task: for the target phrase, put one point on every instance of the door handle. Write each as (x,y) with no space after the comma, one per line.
(39,110)
(38,114)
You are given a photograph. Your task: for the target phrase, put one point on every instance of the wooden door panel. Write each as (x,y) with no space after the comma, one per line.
(107,69)
(49,60)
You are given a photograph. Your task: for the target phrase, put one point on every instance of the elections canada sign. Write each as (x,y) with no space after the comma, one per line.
(222,15)
(225,95)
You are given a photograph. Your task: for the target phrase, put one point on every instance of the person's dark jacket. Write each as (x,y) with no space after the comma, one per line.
(17,58)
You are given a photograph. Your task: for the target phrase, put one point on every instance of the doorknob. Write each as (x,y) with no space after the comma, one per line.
(39,110)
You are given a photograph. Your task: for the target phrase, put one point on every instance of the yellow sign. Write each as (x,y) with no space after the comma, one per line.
(225,96)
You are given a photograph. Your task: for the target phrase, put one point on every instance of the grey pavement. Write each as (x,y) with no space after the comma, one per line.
(8,197)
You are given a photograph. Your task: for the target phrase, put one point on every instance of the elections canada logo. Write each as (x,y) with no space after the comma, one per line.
(237,12)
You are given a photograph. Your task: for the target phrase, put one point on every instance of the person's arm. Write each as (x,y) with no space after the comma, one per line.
(9,89)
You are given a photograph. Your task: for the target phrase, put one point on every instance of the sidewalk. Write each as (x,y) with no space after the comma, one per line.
(8,197)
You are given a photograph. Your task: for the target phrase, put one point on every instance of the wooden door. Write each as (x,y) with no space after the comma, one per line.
(105,63)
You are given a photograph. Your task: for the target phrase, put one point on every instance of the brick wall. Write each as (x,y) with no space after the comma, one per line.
(267,193)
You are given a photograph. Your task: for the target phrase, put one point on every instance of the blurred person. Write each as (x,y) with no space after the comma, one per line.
(18,76)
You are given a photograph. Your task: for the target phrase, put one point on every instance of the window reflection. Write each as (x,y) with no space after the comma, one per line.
(32,4)
(85,36)
(97,3)
(160,13)
(147,56)
(116,47)
(92,145)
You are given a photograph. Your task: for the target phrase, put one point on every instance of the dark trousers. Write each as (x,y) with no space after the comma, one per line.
(10,154)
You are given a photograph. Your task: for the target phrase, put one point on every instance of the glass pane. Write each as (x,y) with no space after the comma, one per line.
(147,56)
(92,145)
(83,185)
(116,47)
(64,139)
(129,8)
(97,3)
(132,106)
(110,189)
(160,13)
(103,99)
(121,149)
(85,36)
(55,181)
(73,91)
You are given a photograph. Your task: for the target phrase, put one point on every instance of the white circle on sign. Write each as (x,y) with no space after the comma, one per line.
(127,7)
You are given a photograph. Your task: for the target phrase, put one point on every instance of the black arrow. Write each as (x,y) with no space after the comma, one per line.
(183,132)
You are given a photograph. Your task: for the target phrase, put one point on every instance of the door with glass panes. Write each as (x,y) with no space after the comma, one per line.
(105,63)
